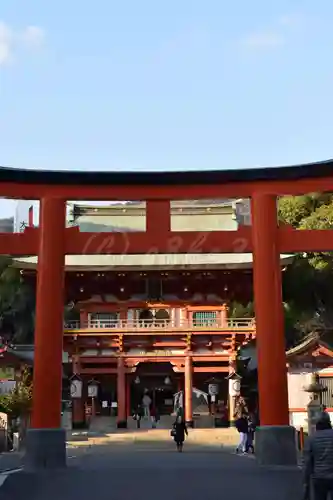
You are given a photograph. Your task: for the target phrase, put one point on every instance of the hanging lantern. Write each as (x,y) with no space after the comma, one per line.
(76,388)
(167,381)
(137,380)
(92,389)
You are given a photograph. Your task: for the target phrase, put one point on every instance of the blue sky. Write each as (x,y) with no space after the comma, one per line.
(175,84)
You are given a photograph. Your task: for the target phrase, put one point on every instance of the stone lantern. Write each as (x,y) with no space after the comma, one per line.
(315,407)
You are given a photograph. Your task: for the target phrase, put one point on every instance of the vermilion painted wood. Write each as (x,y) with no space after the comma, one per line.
(48,353)
(272,376)
(165,192)
(289,241)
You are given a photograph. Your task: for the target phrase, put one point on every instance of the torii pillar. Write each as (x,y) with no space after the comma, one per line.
(275,438)
(46,440)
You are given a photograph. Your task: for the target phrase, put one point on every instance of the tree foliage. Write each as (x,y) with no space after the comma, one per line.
(17,304)
(308,281)
(17,403)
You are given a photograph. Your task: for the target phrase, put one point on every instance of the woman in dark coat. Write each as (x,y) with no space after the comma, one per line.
(179,431)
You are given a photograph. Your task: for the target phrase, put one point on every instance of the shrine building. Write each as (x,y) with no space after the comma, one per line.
(154,323)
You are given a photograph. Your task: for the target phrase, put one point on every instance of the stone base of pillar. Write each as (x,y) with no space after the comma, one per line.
(190,423)
(45,449)
(79,425)
(122,424)
(276,445)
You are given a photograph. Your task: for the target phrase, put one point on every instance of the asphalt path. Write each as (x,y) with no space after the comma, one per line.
(128,473)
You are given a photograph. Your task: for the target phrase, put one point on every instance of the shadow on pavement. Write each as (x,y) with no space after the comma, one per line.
(127,471)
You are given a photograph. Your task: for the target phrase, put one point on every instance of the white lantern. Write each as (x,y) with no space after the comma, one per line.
(234,387)
(167,381)
(213,389)
(92,390)
(76,389)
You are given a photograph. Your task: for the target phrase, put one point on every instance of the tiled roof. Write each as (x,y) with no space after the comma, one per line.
(155,261)
(311,341)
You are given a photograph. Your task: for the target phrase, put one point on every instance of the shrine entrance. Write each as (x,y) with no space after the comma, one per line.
(159,382)
(263,237)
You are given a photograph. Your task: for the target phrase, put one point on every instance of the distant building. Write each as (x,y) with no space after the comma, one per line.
(7,225)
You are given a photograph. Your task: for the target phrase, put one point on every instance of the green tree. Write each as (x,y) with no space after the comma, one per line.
(17,304)
(307,282)
(238,310)
(17,403)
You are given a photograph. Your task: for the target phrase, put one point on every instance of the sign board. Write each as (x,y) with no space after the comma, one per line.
(76,389)
(114,404)
(213,389)
(157,353)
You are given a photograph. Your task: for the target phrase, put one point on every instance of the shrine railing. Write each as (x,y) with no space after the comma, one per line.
(163,325)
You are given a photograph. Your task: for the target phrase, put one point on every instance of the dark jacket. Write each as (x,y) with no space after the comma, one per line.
(318,455)
(242,425)
(179,431)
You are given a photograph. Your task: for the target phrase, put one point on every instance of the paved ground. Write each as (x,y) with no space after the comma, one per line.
(125,471)
(9,461)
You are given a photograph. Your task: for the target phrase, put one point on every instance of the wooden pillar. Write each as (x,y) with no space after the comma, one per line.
(78,411)
(83,318)
(188,391)
(128,396)
(224,316)
(121,394)
(47,380)
(272,373)
(158,217)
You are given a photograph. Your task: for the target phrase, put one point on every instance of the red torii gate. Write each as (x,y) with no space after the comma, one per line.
(51,241)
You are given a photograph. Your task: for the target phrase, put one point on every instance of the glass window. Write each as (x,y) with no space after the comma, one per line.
(204,318)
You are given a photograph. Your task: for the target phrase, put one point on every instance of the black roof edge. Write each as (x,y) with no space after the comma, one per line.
(191,177)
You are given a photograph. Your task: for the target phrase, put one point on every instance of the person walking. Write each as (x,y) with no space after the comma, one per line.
(155,417)
(138,416)
(146,402)
(318,462)
(242,427)
(178,433)
(252,425)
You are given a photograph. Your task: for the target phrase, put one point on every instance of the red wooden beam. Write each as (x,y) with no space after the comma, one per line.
(18,244)
(304,240)
(159,242)
(207,369)
(98,359)
(165,192)
(97,371)
(290,241)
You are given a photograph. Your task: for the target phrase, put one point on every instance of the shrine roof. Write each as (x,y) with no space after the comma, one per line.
(152,261)
(311,342)
(151,178)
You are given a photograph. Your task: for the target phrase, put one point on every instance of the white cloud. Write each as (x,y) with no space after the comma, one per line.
(6,43)
(12,40)
(282,30)
(33,36)
(266,40)
(293,21)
